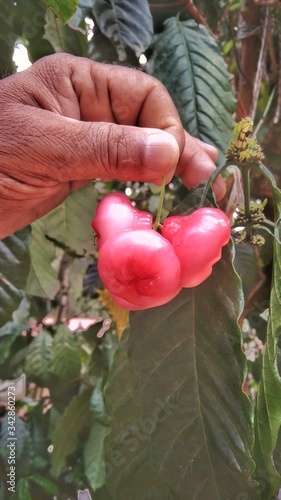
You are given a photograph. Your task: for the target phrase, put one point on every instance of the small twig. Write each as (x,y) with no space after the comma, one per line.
(264,115)
(247,201)
(197,16)
(278,106)
(63,277)
(272,57)
(248,37)
(85,381)
(268,3)
(261,65)
(222,20)
(165,5)
(189,5)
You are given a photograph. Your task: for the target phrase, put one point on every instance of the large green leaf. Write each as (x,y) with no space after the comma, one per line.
(189,63)
(245,263)
(23,490)
(42,279)
(14,269)
(64,9)
(66,361)
(45,483)
(65,435)
(188,354)
(23,443)
(93,455)
(69,225)
(101,49)
(129,472)
(269,395)
(8,334)
(63,38)
(125,23)
(39,357)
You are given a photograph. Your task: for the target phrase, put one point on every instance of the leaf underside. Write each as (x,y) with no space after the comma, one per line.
(125,24)
(182,420)
(65,436)
(189,63)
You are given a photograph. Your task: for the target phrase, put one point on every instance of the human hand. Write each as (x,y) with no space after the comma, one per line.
(67,120)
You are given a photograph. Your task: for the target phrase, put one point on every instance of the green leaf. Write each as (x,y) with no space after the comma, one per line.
(66,361)
(268,415)
(8,333)
(188,355)
(93,455)
(23,489)
(97,403)
(236,5)
(66,433)
(64,9)
(42,279)
(39,357)
(127,447)
(70,224)
(101,49)
(125,23)
(245,263)
(189,63)
(23,443)
(14,268)
(45,483)
(63,38)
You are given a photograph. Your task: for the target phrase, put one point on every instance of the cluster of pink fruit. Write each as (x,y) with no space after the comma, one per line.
(142,268)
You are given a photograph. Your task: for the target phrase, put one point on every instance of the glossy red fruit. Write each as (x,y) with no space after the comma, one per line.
(124,304)
(197,240)
(140,269)
(115,214)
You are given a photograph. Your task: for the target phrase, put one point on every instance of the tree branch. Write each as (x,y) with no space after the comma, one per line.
(278,106)
(249,40)
(197,16)
(261,65)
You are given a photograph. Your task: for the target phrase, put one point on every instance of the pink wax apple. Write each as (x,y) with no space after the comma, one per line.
(115,214)
(197,240)
(140,269)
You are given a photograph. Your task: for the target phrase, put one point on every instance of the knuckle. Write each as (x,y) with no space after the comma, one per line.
(113,148)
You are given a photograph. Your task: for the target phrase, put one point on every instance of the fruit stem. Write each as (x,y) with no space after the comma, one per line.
(247,200)
(156,223)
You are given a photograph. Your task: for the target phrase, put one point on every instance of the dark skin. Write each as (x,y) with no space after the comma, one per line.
(67,120)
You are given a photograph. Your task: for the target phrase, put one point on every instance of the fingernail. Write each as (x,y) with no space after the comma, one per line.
(209,146)
(162,152)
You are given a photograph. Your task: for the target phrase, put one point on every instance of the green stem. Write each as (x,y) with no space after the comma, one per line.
(160,206)
(245,171)
(269,102)
(268,223)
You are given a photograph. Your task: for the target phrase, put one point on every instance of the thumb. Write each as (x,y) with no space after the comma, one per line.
(132,153)
(64,149)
